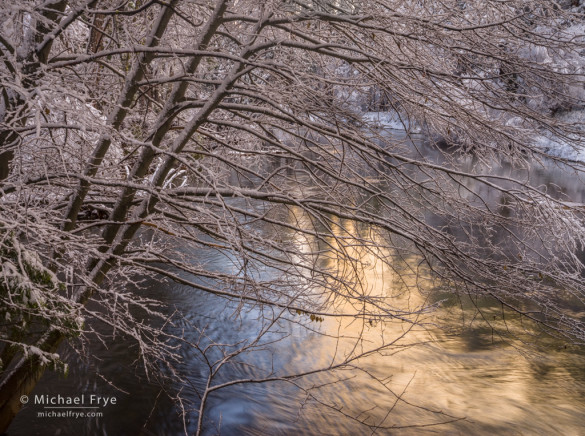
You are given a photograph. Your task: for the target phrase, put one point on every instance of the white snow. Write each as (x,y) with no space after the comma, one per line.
(390,120)
(572,147)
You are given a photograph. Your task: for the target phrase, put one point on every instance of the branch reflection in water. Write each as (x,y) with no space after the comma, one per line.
(470,358)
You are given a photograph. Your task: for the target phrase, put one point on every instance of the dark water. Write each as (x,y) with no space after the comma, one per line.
(470,376)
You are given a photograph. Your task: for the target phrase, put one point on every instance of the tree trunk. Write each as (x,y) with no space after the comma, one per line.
(5,159)
(22,380)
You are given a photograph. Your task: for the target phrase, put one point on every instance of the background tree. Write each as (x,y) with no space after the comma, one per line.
(129,129)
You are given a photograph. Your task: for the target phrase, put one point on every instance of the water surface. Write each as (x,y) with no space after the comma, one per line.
(457,371)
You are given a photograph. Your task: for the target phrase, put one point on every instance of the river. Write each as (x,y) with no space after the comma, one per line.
(451,374)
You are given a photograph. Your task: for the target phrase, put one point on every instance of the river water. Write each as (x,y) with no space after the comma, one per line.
(451,374)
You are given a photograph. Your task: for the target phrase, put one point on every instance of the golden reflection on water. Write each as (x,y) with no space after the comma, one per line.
(484,368)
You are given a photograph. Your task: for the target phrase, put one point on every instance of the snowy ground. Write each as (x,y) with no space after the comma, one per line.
(390,120)
(560,147)
(553,145)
